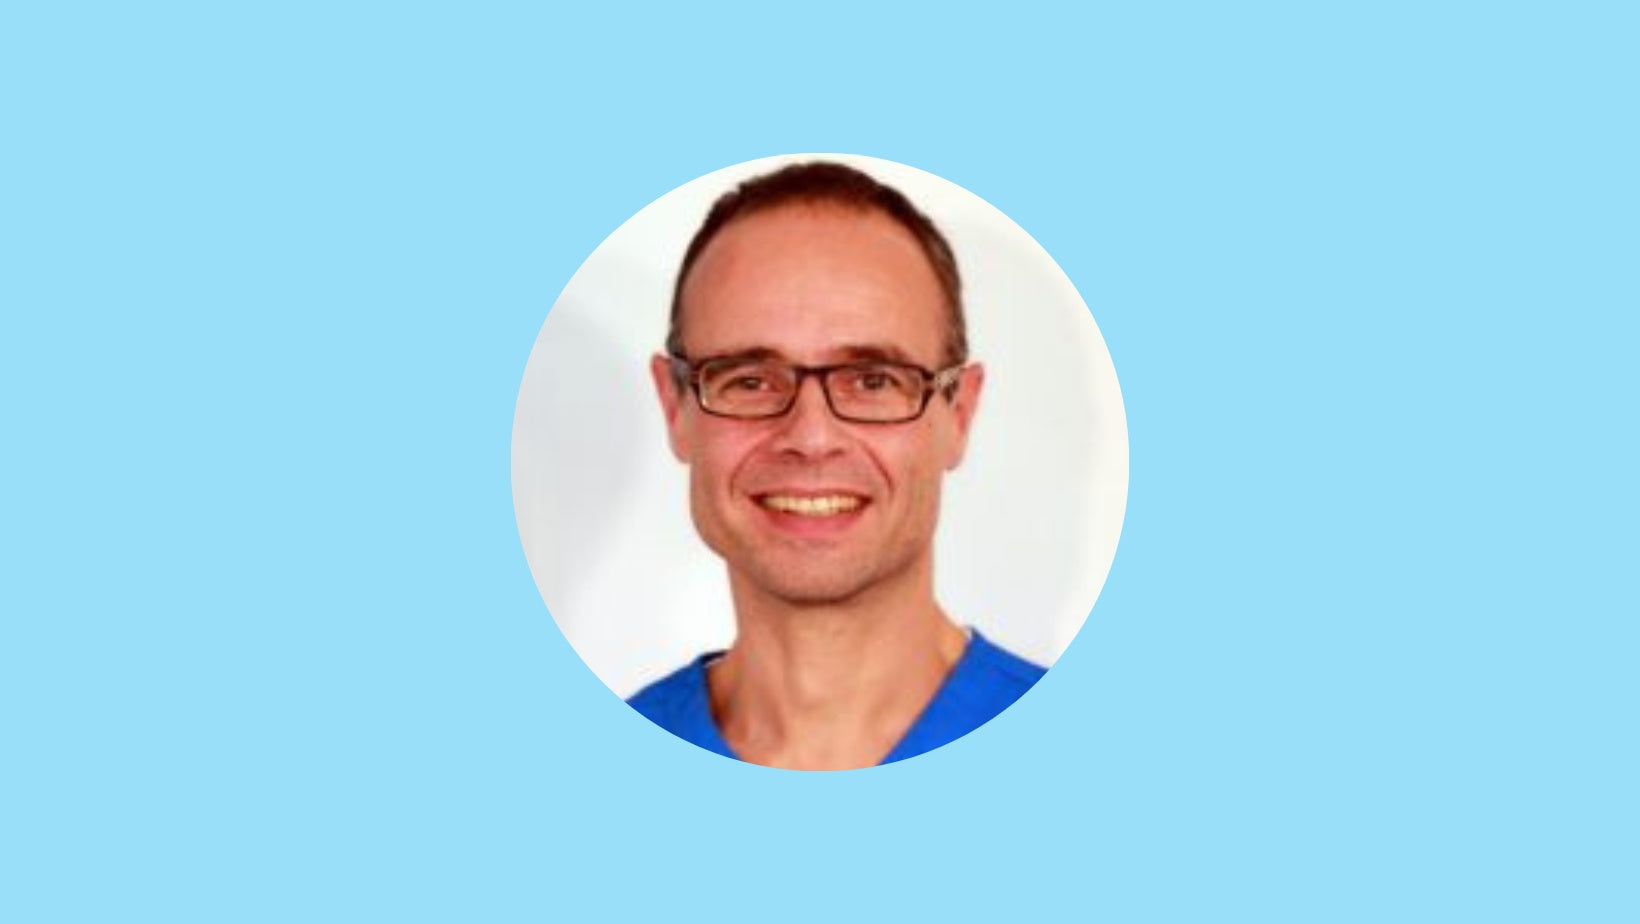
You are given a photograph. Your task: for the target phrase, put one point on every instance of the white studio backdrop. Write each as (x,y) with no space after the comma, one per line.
(1029,522)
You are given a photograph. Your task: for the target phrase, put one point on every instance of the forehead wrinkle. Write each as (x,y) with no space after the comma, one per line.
(792,258)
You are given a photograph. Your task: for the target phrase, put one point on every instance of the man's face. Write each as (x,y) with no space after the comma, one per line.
(807,507)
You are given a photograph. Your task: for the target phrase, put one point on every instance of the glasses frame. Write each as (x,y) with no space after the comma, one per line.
(688,371)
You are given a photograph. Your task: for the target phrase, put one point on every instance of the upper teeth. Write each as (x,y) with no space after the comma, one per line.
(812,506)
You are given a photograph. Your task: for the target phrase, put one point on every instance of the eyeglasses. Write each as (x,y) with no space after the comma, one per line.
(860,392)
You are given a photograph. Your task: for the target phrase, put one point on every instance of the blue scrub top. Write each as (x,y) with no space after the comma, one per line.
(985,681)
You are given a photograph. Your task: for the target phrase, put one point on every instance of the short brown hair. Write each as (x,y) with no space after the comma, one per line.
(831,183)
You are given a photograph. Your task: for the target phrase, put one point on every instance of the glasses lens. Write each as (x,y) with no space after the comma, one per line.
(876,391)
(746,388)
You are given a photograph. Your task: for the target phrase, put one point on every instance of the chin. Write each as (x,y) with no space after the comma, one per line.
(806,579)
(804,573)
(801,586)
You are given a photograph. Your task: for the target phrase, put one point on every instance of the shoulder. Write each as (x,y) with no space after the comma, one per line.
(986,680)
(680,704)
(673,694)
(1001,670)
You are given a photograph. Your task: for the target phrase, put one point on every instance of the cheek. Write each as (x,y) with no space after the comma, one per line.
(711,499)
(928,479)
(944,443)
(717,459)
(912,466)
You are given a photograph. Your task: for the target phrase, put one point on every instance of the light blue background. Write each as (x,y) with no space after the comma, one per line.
(270,648)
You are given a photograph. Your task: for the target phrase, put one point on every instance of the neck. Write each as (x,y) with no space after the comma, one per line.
(831,685)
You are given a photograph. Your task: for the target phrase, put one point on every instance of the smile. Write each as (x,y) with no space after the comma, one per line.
(828,505)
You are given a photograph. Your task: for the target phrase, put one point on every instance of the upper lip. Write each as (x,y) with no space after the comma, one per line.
(811,492)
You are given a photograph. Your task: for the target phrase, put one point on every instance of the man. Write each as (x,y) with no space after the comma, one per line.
(818,388)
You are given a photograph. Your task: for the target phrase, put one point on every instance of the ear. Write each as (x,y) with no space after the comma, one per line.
(672,404)
(964,405)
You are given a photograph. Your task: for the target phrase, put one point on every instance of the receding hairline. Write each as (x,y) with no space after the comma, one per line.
(826,185)
(822,207)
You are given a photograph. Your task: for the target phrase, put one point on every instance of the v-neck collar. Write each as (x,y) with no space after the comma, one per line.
(945,718)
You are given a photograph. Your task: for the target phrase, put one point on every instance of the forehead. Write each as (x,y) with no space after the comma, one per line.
(810,281)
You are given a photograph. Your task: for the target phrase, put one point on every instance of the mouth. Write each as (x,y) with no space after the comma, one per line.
(818,506)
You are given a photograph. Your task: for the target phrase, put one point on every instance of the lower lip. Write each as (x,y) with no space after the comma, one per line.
(796,524)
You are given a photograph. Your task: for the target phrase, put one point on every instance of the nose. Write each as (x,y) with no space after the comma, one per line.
(810,428)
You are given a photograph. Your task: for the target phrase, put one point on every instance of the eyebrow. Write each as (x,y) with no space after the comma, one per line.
(848,353)
(876,353)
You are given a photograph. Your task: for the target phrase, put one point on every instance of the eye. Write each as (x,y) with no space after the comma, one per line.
(747,382)
(873,380)
(876,380)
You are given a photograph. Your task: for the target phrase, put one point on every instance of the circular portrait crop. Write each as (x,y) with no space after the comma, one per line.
(819,462)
